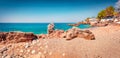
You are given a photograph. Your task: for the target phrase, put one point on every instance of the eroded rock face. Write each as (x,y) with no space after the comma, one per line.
(16,37)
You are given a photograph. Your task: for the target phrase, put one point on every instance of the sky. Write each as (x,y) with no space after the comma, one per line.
(46,11)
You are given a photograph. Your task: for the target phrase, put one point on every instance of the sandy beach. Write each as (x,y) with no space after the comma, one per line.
(105,45)
(59,28)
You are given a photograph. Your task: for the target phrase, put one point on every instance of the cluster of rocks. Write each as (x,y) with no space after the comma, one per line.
(5,54)
(77,24)
(15,37)
(69,34)
(100,24)
(105,22)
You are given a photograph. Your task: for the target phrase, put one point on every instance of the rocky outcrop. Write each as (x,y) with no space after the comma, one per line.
(42,36)
(56,34)
(16,37)
(77,33)
(69,34)
(50,28)
(77,24)
(102,23)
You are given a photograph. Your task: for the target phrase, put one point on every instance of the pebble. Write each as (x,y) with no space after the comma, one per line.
(33,42)
(43,56)
(33,51)
(39,53)
(41,47)
(3,49)
(63,54)
(50,53)
(21,51)
(8,56)
(27,45)
(37,41)
(44,52)
(46,46)
(28,50)
(39,44)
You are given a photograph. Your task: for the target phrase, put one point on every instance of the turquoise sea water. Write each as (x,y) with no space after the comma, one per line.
(36,28)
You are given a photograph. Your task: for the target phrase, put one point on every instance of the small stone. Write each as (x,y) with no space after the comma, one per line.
(27,45)
(28,50)
(33,42)
(43,56)
(50,53)
(37,41)
(8,56)
(21,51)
(39,44)
(33,51)
(39,53)
(41,47)
(44,52)
(46,46)
(3,49)
(63,54)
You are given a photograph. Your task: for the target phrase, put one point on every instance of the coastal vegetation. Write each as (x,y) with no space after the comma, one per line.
(108,12)
(87,19)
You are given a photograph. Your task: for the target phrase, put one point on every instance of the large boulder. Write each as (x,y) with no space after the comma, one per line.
(77,33)
(56,34)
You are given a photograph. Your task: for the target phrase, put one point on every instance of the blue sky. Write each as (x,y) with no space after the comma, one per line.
(41,11)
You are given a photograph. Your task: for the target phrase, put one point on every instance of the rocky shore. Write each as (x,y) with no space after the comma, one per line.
(105,45)
(16,37)
(99,42)
(97,23)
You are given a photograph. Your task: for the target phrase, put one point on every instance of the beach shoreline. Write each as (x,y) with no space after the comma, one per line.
(105,45)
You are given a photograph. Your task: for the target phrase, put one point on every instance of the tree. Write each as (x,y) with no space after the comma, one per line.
(116,14)
(109,11)
(101,14)
(87,20)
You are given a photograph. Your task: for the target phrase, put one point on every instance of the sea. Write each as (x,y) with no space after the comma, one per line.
(36,28)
